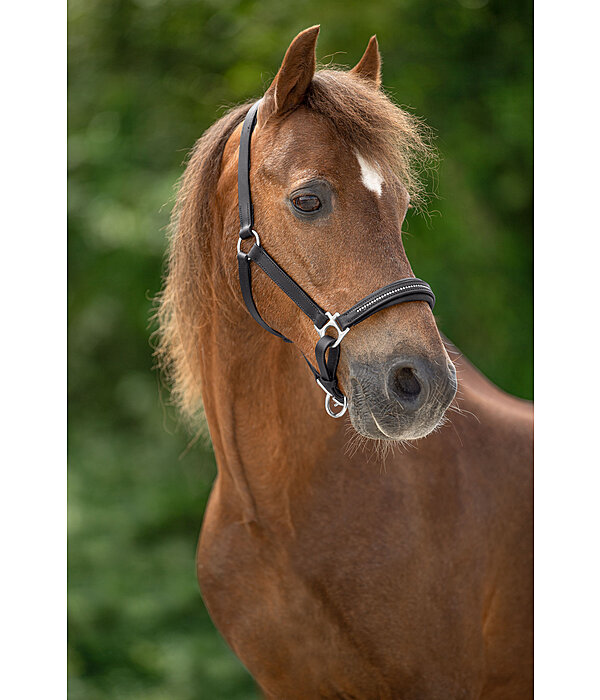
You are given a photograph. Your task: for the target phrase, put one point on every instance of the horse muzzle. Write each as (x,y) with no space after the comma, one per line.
(402,398)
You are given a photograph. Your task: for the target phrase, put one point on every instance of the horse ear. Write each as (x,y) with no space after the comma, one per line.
(294,76)
(369,66)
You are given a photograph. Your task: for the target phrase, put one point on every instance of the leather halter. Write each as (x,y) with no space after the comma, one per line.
(327,350)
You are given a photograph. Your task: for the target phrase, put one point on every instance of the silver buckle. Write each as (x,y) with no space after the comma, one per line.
(332,323)
(239,243)
(328,398)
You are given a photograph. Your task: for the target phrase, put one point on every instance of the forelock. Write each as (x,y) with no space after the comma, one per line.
(367,120)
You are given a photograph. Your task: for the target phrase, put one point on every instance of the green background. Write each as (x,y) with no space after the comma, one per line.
(145,79)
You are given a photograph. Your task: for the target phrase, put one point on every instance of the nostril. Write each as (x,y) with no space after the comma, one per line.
(405,383)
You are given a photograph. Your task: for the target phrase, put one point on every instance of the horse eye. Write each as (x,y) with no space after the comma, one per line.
(307,203)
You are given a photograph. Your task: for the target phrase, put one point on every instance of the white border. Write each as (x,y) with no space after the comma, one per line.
(33,349)
(567,341)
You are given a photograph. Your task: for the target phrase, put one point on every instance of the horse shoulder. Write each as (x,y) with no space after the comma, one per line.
(268,614)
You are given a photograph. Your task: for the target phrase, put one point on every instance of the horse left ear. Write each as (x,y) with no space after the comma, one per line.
(369,66)
(291,82)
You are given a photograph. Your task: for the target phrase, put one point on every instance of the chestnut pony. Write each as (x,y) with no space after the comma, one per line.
(331,572)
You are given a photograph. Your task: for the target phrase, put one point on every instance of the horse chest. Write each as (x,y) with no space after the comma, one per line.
(363,616)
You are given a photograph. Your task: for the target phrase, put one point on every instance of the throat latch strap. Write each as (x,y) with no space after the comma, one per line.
(327,349)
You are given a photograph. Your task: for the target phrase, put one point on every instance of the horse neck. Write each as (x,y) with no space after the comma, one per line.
(265,415)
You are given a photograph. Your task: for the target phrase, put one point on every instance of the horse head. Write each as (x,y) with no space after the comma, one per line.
(332,178)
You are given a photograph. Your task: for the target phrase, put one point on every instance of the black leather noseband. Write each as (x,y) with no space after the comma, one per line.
(327,350)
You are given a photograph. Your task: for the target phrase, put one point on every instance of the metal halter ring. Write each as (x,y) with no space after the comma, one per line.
(328,398)
(332,323)
(239,244)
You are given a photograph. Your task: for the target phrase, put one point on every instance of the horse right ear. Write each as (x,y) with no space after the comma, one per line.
(369,66)
(291,82)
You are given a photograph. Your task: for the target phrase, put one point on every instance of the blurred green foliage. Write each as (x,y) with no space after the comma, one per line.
(146,77)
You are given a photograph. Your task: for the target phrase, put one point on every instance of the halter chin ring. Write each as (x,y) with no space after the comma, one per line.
(239,243)
(332,323)
(329,398)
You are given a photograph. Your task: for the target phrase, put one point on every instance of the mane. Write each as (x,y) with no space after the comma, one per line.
(365,119)
(181,301)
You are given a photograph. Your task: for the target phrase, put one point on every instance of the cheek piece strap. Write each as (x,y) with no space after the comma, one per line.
(327,349)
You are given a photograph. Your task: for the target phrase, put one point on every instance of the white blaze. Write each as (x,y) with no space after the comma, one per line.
(370,175)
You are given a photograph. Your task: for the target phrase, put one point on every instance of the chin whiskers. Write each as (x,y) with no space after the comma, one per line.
(374,448)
